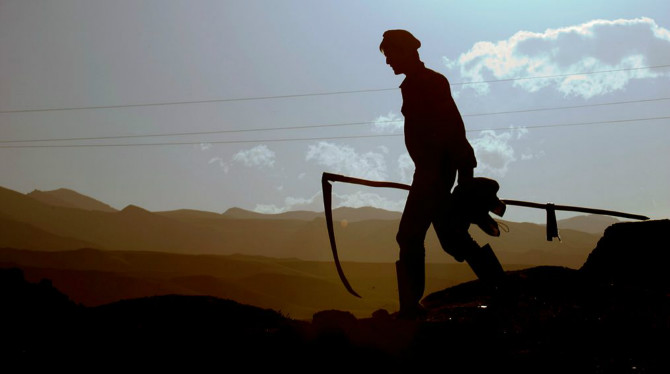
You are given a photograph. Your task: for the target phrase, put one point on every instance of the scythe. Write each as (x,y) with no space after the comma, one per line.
(550,208)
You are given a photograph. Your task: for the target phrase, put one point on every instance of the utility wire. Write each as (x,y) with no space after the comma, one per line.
(567,107)
(316,93)
(318,126)
(321,138)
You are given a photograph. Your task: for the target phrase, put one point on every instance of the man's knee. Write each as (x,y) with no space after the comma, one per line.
(411,247)
(458,246)
(404,240)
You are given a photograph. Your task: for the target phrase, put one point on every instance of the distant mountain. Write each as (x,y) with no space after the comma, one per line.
(300,288)
(239,213)
(339,214)
(592,223)
(363,234)
(70,199)
(189,214)
(25,236)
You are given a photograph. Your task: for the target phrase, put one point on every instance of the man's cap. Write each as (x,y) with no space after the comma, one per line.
(401,39)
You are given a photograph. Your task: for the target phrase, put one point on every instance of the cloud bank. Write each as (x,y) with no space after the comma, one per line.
(389,123)
(598,45)
(259,155)
(344,159)
(494,151)
(406,168)
(356,199)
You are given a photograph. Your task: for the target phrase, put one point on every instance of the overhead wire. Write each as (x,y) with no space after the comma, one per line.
(321,138)
(318,93)
(300,127)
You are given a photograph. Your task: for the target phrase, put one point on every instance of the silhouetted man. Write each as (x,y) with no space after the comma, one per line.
(435,139)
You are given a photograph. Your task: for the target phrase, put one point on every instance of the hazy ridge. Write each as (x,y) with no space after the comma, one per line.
(282,261)
(364,234)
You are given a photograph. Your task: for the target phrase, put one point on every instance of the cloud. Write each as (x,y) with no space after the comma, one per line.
(361,199)
(597,45)
(259,155)
(389,123)
(494,151)
(219,161)
(344,159)
(406,168)
(314,203)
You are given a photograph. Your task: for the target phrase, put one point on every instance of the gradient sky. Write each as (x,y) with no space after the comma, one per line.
(75,54)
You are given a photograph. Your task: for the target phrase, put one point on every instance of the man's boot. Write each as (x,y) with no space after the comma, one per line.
(485,264)
(411,284)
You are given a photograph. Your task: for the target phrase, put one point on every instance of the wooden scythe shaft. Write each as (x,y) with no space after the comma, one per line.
(552,231)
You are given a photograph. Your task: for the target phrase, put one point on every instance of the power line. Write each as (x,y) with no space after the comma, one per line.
(321,138)
(320,125)
(316,93)
(564,75)
(568,107)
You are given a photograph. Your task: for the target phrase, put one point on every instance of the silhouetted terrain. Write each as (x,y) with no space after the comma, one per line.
(544,319)
(297,288)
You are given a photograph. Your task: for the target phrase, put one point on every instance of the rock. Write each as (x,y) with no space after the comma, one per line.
(634,254)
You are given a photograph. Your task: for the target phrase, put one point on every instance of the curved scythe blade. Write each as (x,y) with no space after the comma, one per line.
(327,205)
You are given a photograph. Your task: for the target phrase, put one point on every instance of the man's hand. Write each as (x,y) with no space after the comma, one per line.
(465,176)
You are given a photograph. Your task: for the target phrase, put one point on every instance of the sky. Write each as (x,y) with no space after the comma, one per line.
(263,96)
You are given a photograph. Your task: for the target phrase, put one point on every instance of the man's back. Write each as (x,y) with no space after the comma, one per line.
(433,124)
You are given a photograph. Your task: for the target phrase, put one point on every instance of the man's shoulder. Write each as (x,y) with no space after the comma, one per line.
(426,79)
(430,76)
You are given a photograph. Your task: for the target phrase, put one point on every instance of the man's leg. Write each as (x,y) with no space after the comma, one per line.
(414,224)
(449,221)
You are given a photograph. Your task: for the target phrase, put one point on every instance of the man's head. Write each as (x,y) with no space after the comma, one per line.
(401,50)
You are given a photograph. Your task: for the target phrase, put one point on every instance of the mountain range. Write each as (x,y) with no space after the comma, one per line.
(66,220)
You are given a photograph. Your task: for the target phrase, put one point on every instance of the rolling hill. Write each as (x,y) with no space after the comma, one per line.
(64,197)
(298,288)
(367,236)
(610,316)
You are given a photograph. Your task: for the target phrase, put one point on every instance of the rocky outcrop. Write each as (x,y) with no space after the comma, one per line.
(633,254)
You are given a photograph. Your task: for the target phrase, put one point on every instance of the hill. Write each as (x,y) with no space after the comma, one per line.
(297,288)
(22,235)
(363,235)
(63,197)
(591,223)
(339,214)
(544,319)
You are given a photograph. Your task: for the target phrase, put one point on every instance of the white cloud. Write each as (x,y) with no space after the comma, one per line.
(314,203)
(268,209)
(389,123)
(406,168)
(222,164)
(384,149)
(597,45)
(344,159)
(205,146)
(361,199)
(494,151)
(259,155)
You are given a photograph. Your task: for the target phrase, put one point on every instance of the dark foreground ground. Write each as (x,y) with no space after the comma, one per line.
(603,318)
